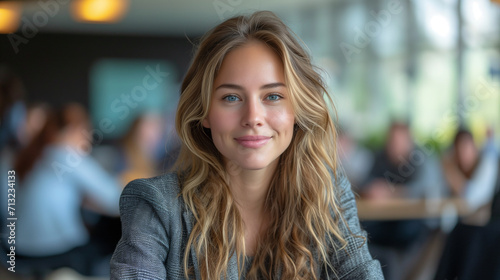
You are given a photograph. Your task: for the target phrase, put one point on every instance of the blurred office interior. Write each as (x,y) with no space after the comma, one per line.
(416,70)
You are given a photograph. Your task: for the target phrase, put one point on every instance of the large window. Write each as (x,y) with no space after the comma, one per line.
(398,60)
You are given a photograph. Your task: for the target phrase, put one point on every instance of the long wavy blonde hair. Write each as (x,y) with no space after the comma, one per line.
(302,200)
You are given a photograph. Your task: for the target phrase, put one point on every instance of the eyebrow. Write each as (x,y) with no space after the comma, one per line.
(238,87)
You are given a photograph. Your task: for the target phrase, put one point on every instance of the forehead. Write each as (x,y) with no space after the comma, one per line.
(252,64)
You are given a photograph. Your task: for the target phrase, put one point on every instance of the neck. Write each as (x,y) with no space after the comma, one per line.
(250,188)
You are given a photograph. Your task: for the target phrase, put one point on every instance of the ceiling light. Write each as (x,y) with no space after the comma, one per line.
(10,14)
(100,11)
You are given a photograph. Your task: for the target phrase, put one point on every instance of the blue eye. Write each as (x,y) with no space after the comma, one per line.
(231,98)
(273,97)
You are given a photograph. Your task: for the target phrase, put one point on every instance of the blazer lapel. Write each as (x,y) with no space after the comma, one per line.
(232,270)
(188,223)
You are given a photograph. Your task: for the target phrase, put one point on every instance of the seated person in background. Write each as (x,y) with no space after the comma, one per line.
(138,148)
(397,170)
(400,170)
(472,174)
(55,176)
(135,157)
(471,249)
(36,116)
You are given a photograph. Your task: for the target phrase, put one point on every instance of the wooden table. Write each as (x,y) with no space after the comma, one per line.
(405,209)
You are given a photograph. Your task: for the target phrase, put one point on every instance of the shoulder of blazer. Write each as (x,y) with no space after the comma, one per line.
(161,191)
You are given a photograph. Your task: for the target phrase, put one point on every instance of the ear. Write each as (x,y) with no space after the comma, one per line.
(205,123)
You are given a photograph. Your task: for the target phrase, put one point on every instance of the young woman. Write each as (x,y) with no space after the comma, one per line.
(471,173)
(256,192)
(471,250)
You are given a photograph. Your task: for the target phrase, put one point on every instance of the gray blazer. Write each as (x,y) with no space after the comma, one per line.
(156,225)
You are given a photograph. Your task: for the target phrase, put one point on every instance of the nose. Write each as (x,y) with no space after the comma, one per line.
(253,113)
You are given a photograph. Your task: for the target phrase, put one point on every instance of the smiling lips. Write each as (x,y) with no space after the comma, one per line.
(253,141)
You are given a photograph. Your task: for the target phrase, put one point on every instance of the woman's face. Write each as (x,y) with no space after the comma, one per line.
(467,152)
(251,117)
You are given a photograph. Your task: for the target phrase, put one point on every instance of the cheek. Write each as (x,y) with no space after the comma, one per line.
(283,121)
(470,153)
(221,121)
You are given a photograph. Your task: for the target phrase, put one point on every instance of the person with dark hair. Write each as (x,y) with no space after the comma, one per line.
(256,192)
(471,249)
(55,177)
(393,175)
(470,173)
(400,171)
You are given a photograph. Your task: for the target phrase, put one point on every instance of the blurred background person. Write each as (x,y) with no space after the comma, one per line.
(135,155)
(471,173)
(398,172)
(139,149)
(393,173)
(55,178)
(36,116)
(471,249)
